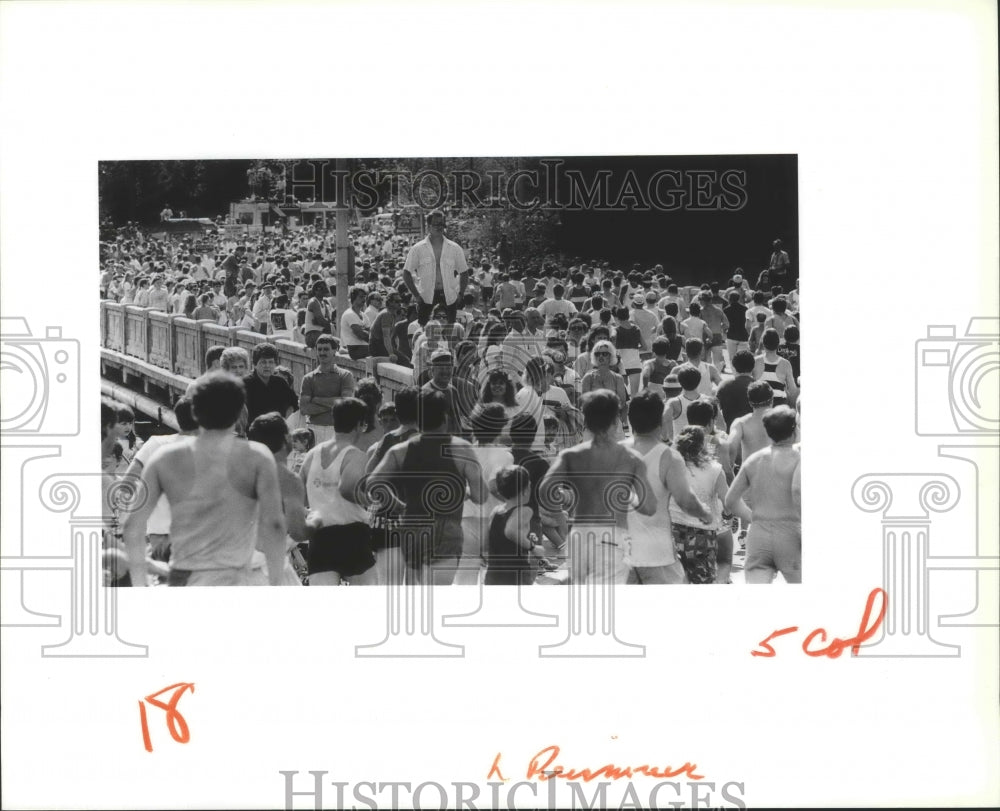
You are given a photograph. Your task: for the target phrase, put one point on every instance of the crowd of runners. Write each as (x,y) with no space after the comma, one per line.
(568,421)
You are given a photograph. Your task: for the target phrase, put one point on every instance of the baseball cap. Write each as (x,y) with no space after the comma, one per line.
(638,299)
(442,356)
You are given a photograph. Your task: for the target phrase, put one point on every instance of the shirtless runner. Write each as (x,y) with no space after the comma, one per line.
(601,473)
(747,434)
(773,478)
(215,484)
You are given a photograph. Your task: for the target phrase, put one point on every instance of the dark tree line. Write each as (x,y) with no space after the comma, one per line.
(137,191)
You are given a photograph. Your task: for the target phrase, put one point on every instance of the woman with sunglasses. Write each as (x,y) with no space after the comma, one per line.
(603,376)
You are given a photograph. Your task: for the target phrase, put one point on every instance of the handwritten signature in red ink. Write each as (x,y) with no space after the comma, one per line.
(546,771)
(837,646)
(176,724)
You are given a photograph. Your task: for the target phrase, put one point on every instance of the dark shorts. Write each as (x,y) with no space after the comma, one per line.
(342,548)
(383,538)
(696,552)
(718,339)
(423,544)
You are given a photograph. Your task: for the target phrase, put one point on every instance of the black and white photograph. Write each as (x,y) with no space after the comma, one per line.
(495,309)
(452,371)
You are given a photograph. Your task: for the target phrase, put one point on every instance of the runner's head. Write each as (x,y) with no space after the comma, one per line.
(700,413)
(487,422)
(690,445)
(184,415)
(770,340)
(693,349)
(779,423)
(645,412)
(600,410)
(743,362)
(791,334)
(349,415)
(217,400)
(689,377)
(603,354)
(271,430)
(523,428)
(512,481)
(760,395)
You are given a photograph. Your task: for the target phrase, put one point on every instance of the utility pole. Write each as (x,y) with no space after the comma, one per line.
(345,254)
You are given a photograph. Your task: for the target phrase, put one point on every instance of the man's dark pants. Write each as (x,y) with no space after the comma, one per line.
(424,309)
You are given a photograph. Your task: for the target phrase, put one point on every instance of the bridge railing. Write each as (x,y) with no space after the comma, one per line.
(178,345)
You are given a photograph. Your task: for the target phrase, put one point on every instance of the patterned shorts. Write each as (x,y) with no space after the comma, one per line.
(695,549)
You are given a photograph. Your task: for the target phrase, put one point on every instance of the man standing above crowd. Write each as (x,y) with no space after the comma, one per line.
(216,485)
(779,266)
(435,271)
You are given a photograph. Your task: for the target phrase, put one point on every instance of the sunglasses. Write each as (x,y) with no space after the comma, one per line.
(602,354)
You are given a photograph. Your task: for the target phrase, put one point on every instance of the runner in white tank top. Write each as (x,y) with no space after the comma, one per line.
(650,542)
(323,489)
(213,528)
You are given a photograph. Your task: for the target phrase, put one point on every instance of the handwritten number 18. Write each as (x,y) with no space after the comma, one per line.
(176,725)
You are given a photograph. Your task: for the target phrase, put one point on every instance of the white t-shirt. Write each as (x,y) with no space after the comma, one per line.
(556,306)
(347,336)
